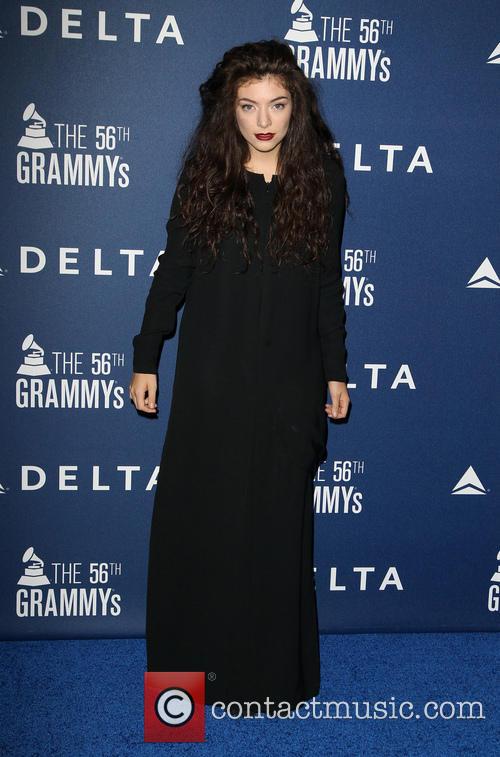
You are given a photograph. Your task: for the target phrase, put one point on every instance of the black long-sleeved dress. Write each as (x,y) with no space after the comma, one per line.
(231,586)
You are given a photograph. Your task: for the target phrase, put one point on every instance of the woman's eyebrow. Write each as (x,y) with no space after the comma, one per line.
(281,97)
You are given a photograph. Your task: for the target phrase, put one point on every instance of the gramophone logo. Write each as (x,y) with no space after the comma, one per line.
(494,590)
(33,363)
(33,572)
(469,483)
(301,29)
(34,137)
(341,47)
(485,277)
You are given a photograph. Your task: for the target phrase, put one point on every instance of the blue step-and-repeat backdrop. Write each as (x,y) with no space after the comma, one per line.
(98,104)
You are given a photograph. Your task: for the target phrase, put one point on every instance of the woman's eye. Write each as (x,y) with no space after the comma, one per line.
(246,106)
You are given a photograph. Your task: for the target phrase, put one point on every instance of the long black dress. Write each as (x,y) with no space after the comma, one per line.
(231,588)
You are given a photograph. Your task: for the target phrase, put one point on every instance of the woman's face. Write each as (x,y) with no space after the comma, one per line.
(263,107)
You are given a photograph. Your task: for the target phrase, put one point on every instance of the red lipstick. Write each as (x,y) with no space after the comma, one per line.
(268,135)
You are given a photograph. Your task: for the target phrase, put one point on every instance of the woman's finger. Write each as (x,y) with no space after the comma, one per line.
(142,398)
(338,407)
(146,404)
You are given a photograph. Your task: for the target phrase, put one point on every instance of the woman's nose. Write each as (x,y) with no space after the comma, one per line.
(263,121)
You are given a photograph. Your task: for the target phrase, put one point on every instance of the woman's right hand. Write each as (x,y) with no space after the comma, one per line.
(142,390)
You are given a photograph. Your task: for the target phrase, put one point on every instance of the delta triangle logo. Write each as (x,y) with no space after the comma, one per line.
(469,483)
(495,55)
(485,277)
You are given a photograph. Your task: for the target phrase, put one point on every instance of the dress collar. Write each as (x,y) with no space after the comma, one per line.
(260,176)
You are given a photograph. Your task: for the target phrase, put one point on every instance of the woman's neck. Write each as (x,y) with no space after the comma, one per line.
(264,163)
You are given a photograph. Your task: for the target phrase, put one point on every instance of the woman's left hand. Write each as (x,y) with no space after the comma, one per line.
(340,400)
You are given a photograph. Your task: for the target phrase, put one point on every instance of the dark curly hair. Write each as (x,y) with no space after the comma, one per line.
(212,183)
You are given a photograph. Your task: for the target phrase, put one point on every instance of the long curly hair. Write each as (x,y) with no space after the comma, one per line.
(214,197)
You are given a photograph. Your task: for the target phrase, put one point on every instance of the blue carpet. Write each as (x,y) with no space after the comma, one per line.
(85,697)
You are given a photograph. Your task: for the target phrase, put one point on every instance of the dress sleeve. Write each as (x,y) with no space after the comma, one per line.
(331,312)
(171,280)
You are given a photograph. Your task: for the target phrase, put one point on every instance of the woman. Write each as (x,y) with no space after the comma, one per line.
(254,249)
